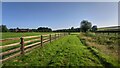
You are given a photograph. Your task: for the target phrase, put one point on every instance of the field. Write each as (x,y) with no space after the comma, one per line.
(104,43)
(19,35)
(77,49)
(14,34)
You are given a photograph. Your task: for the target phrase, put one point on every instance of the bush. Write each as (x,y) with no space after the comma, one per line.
(89,34)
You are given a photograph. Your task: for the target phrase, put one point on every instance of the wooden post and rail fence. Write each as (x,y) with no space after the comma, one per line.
(23,46)
(108,32)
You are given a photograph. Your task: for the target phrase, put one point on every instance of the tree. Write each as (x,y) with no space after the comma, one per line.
(44,29)
(72,29)
(3,28)
(94,28)
(85,26)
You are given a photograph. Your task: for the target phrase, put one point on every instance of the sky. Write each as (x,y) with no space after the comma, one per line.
(58,15)
(60,0)
(119,14)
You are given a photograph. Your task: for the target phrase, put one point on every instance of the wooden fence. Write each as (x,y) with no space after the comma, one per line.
(23,46)
(108,32)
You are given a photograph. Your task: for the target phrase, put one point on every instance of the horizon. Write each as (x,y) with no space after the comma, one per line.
(59,15)
(60,28)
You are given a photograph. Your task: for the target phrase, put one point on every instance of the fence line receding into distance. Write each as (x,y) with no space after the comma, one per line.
(10,51)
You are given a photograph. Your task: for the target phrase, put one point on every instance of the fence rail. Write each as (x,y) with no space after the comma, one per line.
(26,46)
(108,32)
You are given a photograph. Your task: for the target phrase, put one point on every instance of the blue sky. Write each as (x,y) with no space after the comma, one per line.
(58,15)
(60,0)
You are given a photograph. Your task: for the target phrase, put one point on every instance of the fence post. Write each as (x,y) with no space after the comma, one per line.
(64,34)
(69,33)
(55,36)
(58,35)
(41,40)
(22,45)
(50,38)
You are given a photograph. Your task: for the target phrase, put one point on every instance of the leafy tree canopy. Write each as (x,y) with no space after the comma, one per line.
(3,28)
(94,28)
(85,26)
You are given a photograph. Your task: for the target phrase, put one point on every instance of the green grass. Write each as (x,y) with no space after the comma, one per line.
(18,35)
(104,39)
(74,33)
(14,34)
(106,45)
(15,41)
(67,51)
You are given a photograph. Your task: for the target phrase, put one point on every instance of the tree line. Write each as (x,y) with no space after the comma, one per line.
(72,29)
(3,28)
(84,27)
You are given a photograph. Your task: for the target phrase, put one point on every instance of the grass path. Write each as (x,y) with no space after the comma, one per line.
(67,51)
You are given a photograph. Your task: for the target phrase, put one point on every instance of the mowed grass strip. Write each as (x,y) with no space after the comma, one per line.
(66,51)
